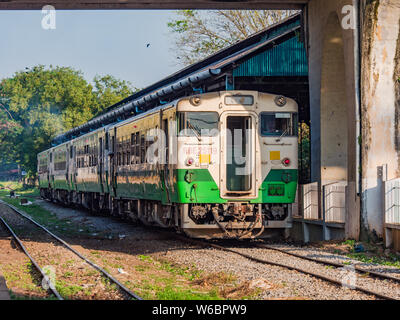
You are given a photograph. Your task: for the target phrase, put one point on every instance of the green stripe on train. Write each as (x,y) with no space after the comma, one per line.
(198,186)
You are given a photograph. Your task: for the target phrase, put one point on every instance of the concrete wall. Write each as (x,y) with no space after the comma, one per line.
(380,96)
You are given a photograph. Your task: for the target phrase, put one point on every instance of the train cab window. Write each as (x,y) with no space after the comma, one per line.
(198,123)
(278,124)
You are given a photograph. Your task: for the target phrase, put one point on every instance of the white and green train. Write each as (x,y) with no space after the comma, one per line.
(221,164)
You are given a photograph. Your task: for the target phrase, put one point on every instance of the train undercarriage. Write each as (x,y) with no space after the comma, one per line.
(235,220)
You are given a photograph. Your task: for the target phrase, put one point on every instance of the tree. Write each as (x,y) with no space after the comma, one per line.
(9,131)
(39,103)
(110,90)
(199,34)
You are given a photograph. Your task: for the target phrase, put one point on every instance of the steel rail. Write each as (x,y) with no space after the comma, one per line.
(45,277)
(331,263)
(95,266)
(277,264)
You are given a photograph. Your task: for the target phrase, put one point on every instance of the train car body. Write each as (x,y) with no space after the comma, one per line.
(215,165)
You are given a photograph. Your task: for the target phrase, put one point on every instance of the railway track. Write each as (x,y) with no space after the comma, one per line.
(333,264)
(254,257)
(128,294)
(35,264)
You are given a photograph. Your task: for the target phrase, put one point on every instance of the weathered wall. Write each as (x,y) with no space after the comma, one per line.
(380,118)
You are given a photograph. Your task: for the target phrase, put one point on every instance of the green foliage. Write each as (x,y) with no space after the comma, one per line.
(110,90)
(304,152)
(39,103)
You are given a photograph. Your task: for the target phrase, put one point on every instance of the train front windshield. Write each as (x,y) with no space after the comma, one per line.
(198,123)
(278,124)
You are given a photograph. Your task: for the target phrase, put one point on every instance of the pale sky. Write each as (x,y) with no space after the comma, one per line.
(95,42)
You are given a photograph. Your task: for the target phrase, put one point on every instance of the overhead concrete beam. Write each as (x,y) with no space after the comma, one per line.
(150,4)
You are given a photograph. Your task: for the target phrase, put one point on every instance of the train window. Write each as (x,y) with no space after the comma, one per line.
(133,139)
(198,123)
(278,124)
(142,148)
(106,140)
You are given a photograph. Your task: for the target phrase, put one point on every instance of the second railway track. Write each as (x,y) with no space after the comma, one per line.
(46,249)
(375,284)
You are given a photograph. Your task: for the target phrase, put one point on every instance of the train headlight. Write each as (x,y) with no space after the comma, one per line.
(189,161)
(286,162)
(195,101)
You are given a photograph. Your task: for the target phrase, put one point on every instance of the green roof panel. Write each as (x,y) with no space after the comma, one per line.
(286,59)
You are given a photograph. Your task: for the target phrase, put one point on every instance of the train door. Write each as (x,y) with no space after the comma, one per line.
(101,164)
(51,180)
(238,141)
(48,169)
(106,162)
(113,163)
(67,165)
(165,172)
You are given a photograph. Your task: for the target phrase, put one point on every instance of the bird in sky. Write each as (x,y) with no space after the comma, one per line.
(147,45)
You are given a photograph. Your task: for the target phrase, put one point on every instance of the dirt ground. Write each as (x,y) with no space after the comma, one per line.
(21,278)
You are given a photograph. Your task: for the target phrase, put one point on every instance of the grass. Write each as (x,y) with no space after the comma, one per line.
(392,260)
(26,192)
(167,281)
(372,255)
(39,214)
(66,290)
(15,296)
(24,277)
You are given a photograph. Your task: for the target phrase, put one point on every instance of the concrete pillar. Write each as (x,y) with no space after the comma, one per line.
(334,101)
(333,107)
(380,106)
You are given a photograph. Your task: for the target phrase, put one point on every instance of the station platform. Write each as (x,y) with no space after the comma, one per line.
(4,293)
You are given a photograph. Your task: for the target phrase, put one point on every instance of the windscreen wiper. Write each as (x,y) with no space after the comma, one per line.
(283,134)
(196,132)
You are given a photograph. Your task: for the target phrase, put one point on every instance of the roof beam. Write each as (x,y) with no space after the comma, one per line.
(150,4)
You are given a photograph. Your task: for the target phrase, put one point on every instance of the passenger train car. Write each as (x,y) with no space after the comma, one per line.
(215,165)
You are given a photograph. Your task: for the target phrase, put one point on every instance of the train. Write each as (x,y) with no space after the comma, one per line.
(214,166)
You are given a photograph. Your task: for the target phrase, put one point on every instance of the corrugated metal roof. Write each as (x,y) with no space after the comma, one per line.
(286,59)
